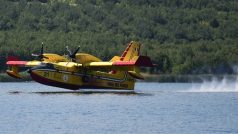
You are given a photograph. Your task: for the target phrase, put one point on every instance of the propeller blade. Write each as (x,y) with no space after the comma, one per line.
(72,55)
(76,51)
(45,57)
(67,48)
(35,55)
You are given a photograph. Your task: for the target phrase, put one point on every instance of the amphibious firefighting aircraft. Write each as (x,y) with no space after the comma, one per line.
(82,70)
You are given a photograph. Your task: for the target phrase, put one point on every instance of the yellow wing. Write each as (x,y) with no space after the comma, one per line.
(86,58)
(143,61)
(131,66)
(14,63)
(54,58)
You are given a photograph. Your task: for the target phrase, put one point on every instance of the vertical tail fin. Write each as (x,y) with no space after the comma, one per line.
(133,49)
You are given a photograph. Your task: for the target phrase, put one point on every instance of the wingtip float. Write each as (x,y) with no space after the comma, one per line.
(81,70)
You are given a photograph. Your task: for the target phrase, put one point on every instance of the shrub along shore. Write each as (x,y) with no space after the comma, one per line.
(162,78)
(5,78)
(165,78)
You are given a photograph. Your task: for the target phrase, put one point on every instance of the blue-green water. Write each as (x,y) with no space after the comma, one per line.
(169,108)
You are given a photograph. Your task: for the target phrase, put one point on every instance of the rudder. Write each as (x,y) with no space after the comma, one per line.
(133,49)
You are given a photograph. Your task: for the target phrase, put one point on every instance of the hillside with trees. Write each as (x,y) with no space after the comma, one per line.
(181,36)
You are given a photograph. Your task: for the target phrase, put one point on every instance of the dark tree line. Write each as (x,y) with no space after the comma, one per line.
(181,36)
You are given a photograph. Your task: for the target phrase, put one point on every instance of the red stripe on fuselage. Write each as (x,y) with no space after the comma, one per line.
(49,82)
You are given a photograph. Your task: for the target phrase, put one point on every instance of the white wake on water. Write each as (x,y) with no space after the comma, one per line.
(216,85)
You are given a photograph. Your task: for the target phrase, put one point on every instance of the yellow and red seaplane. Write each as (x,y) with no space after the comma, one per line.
(81,70)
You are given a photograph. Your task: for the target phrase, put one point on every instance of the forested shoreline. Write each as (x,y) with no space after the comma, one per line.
(181,36)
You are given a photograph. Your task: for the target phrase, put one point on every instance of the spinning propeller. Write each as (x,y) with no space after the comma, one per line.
(41,55)
(72,55)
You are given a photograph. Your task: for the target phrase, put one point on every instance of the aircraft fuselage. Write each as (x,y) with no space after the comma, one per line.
(49,75)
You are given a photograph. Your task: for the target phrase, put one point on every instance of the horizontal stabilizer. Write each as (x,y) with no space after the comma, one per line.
(144,61)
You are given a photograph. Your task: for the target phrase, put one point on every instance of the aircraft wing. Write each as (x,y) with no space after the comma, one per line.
(14,63)
(48,58)
(24,63)
(140,61)
(130,66)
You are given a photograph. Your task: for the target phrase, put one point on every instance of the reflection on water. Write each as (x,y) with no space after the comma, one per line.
(152,108)
(84,92)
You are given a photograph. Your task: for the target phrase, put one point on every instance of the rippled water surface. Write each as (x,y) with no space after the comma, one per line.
(167,108)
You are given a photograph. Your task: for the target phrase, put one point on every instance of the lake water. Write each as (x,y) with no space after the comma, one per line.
(166,108)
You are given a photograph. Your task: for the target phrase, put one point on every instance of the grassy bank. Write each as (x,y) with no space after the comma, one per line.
(187,78)
(5,78)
